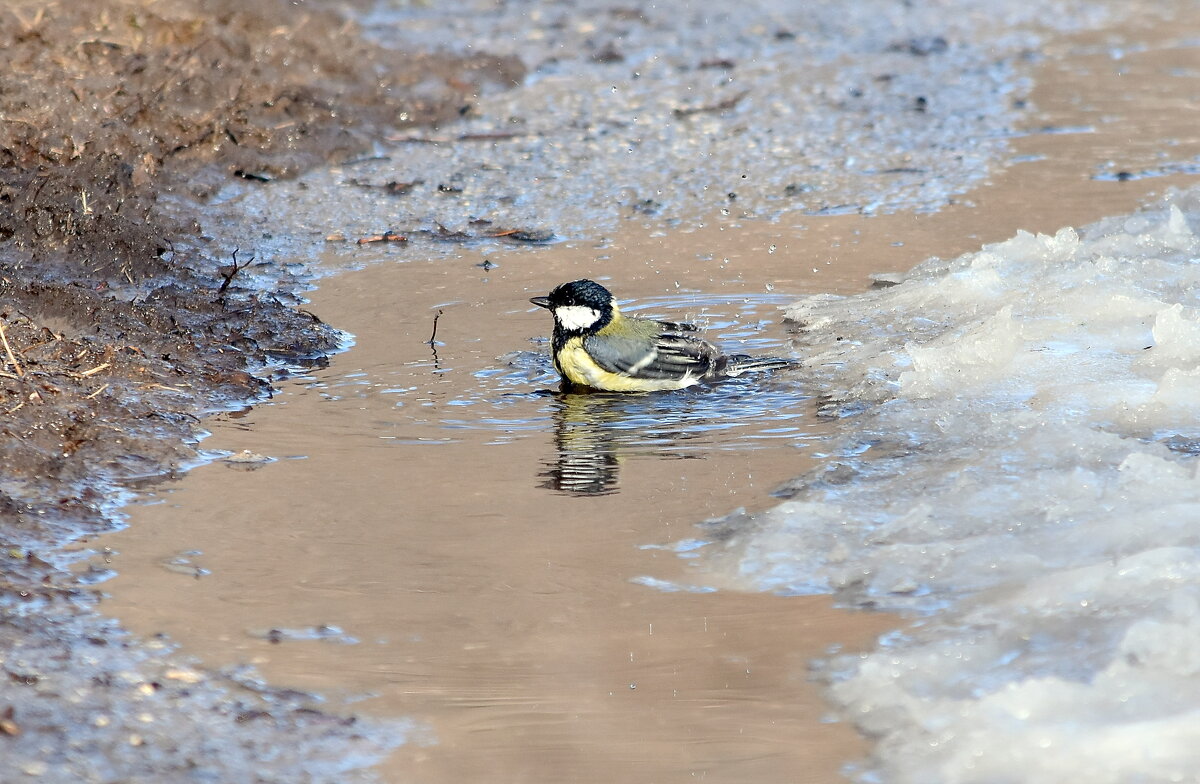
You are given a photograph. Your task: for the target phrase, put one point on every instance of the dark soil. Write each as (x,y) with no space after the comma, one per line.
(119,327)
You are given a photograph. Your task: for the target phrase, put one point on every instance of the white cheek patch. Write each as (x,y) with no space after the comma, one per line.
(573,317)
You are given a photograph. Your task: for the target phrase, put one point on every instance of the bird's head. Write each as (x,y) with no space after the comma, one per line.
(581,306)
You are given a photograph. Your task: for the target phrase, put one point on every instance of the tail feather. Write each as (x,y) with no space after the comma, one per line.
(737,364)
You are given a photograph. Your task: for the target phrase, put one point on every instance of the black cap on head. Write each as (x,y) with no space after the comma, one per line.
(581,292)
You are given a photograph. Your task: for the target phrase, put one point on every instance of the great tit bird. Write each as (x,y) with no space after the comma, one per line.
(595,346)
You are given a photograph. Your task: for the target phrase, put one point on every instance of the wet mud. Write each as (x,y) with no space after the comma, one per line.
(114,305)
(122,323)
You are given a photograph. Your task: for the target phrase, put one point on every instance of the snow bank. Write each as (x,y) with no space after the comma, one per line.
(1018,466)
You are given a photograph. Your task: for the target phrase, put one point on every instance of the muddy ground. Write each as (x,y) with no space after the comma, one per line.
(121,324)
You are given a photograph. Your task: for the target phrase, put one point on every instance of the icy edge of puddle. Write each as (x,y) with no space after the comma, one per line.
(1018,463)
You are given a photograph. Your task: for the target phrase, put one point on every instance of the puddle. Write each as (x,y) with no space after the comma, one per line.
(446,535)
(437,538)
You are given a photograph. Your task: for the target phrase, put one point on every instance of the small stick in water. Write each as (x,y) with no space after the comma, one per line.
(433,337)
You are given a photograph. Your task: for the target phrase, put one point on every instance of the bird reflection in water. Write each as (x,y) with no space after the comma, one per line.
(592,430)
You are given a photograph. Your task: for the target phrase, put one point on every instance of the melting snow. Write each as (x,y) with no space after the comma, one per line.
(1018,467)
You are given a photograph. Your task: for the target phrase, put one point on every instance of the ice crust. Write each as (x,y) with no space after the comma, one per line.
(681,112)
(1019,467)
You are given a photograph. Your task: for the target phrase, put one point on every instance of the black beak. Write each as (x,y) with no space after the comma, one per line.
(541,302)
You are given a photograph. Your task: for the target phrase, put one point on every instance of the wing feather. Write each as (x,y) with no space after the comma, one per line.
(666,356)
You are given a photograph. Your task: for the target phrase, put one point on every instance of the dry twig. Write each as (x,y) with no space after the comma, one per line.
(387,236)
(720,106)
(11,356)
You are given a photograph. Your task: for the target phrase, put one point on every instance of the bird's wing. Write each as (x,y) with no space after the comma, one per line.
(678,326)
(667,356)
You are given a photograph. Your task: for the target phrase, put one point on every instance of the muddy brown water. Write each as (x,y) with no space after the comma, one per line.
(413,523)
